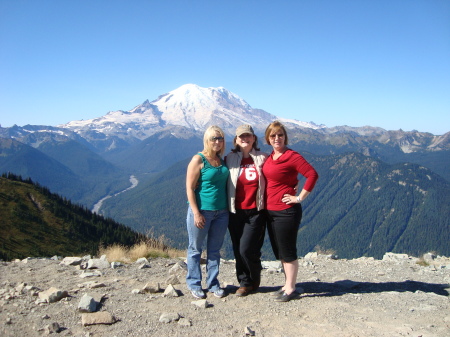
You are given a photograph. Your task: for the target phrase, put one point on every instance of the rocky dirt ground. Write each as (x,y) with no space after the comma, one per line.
(362,297)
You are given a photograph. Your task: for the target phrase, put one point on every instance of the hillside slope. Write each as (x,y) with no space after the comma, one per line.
(364,207)
(36,222)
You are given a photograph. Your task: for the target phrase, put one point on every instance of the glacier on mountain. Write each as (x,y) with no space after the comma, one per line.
(189,106)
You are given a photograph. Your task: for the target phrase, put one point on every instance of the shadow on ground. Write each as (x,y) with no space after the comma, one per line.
(339,288)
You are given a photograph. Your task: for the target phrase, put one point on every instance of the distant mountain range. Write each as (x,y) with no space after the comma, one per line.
(87,160)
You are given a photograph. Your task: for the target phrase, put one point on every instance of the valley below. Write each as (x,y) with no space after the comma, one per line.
(134,182)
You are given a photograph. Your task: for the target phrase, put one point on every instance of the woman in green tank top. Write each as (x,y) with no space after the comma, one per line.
(207,216)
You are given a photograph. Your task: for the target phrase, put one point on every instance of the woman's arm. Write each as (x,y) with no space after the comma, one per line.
(308,171)
(192,176)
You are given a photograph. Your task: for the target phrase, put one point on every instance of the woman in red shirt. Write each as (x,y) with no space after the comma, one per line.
(247,222)
(283,206)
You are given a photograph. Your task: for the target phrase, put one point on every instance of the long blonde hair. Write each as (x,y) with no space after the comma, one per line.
(210,132)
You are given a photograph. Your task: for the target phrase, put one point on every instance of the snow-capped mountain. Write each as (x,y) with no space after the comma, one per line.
(189,106)
(195,107)
(184,112)
(188,110)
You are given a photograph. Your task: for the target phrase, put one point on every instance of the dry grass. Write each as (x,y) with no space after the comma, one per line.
(116,253)
(322,251)
(421,262)
(149,248)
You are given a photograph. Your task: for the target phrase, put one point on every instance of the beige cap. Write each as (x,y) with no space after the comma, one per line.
(244,129)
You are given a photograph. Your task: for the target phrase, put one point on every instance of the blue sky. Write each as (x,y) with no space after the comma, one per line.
(382,63)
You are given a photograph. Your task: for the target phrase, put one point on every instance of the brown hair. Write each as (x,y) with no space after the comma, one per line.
(274,127)
(237,148)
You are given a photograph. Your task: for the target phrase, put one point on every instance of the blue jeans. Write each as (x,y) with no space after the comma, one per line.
(216,224)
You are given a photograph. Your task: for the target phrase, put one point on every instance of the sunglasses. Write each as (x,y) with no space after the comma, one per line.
(213,139)
(280,135)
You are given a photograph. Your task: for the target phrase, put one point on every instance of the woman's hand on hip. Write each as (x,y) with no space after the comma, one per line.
(289,199)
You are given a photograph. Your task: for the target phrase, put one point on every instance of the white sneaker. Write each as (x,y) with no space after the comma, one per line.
(198,294)
(219,293)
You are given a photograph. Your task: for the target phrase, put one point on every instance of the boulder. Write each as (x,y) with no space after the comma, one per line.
(72,261)
(169,317)
(102,317)
(101,263)
(87,304)
(52,295)
(170,291)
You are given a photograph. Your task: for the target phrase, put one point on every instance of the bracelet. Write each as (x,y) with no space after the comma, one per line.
(298,199)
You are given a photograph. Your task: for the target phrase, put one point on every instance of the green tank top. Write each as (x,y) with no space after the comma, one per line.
(211,193)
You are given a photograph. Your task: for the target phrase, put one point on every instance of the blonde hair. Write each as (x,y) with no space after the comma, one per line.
(273,128)
(210,132)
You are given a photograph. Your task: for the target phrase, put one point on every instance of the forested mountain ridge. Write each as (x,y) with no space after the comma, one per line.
(389,146)
(364,207)
(360,206)
(36,222)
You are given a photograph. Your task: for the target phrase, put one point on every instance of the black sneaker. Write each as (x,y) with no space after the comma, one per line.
(277,293)
(286,298)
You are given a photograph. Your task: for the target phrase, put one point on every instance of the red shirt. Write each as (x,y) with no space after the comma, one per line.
(247,185)
(282,178)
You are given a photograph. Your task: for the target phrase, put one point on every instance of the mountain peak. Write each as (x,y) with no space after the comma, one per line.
(190,97)
(190,106)
(196,107)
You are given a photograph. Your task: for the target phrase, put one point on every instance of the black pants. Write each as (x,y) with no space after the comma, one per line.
(247,228)
(282,227)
